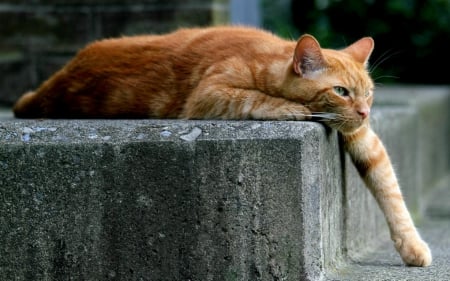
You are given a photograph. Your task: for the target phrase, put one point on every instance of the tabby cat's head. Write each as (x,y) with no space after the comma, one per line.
(335,82)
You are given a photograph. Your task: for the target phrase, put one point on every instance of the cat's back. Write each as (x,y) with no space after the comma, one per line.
(206,41)
(181,59)
(179,52)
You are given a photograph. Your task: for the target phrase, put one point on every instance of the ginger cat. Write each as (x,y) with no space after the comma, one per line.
(234,73)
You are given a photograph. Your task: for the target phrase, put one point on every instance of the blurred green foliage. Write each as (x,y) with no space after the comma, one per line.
(412,37)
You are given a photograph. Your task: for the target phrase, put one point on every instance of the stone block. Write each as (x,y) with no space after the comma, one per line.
(167,200)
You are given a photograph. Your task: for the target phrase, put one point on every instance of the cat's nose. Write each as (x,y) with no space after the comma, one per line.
(363,112)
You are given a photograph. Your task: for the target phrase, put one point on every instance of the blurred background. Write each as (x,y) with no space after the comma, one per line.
(411,36)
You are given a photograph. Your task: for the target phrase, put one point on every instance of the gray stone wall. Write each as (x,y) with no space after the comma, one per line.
(38,37)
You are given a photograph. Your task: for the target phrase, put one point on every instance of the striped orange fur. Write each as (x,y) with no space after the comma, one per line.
(234,73)
(372,161)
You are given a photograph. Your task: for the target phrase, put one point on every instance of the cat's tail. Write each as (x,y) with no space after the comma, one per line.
(26,106)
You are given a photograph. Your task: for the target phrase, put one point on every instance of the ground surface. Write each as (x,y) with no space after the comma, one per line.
(383,263)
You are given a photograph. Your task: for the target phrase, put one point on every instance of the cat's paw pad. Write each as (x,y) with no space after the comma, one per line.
(414,252)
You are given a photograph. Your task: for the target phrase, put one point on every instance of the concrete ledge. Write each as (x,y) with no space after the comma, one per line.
(202,200)
(170,200)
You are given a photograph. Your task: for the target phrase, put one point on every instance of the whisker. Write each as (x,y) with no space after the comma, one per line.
(325,116)
(385,76)
(382,58)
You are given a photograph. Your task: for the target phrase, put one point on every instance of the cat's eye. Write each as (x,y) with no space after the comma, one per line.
(367,94)
(341,91)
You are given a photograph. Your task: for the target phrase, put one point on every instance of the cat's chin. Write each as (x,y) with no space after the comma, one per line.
(348,129)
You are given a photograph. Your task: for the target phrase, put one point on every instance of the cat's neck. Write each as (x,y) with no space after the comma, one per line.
(274,74)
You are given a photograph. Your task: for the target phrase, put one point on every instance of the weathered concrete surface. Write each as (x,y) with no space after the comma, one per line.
(166,200)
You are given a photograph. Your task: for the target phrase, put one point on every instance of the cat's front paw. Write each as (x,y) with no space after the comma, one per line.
(291,112)
(414,252)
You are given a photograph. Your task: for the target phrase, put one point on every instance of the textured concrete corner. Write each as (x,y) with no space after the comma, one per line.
(162,200)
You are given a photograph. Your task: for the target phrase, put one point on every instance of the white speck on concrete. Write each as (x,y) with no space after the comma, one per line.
(165,134)
(141,136)
(39,129)
(192,135)
(27,130)
(256,126)
(26,137)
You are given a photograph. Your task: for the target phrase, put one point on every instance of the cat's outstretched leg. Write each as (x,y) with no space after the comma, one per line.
(233,103)
(373,163)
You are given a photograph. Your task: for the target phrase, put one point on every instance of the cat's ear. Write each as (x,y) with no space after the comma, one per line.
(308,56)
(361,49)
